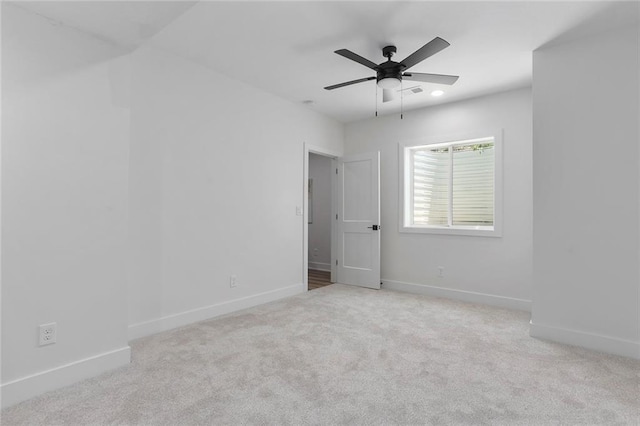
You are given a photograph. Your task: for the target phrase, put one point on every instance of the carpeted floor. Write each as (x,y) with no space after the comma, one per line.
(345,355)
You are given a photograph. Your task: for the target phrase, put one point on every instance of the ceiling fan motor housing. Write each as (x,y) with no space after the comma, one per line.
(389,69)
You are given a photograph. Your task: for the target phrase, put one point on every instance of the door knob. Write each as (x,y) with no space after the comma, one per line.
(374,227)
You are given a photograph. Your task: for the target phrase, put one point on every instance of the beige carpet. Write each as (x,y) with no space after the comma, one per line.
(343,355)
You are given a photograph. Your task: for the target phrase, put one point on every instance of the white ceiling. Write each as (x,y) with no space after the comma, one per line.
(286,48)
(126,23)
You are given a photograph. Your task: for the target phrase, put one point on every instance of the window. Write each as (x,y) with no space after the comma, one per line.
(451,187)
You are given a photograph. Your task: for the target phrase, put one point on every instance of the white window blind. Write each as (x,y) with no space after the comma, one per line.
(452,185)
(472,203)
(430,186)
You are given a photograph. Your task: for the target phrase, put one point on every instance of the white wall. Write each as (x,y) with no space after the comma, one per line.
(320,228)
(216,176)
(132,188)
(586,186)
(488,270)
(64,200)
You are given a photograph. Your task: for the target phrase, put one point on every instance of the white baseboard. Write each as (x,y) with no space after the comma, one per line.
(465,296)
(596,342)
(319,266)
(28,387)
(169,322)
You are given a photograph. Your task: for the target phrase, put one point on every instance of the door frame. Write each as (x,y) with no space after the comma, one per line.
(333,155)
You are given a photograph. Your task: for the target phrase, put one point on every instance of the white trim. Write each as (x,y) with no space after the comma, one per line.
(33,385)
(596,342)
(319,266)
(463,295)
(172,321)
(403,190)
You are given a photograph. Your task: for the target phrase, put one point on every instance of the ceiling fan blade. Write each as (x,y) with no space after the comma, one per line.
(429,49)
(348,83)
(357,58)
(387,95)
(431,78)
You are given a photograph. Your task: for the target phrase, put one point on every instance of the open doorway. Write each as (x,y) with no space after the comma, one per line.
(353,203)
(319,221)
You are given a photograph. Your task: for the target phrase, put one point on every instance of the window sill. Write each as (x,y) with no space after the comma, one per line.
(473,231)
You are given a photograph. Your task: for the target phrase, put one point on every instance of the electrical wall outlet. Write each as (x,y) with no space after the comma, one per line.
(48,334)
(440,271)
(233,281)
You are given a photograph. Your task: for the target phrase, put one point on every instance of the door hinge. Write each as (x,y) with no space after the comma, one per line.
(336,171)
(336,216)
(336,262)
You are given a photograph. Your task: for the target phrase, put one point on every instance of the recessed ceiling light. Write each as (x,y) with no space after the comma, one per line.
(437,93)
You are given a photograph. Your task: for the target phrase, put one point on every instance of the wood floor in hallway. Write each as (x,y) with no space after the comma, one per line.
(318,279)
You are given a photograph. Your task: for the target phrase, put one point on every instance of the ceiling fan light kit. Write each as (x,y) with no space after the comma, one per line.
(390,74)
(389,83)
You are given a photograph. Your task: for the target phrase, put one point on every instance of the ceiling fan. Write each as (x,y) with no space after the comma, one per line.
(389,74)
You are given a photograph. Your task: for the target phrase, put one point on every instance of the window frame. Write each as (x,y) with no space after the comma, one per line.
(404,179)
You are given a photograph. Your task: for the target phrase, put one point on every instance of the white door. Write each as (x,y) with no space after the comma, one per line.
(358,217)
